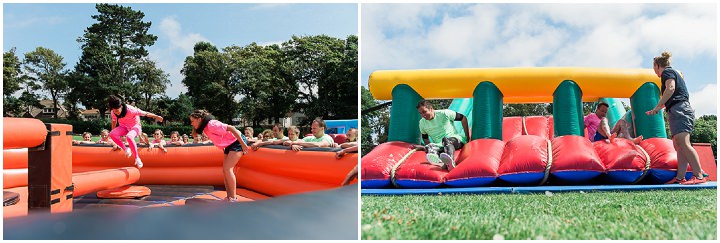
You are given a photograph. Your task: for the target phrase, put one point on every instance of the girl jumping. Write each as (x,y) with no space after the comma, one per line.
(126,122)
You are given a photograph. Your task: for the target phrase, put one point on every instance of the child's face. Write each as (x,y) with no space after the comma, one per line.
(260,136)
(292,135)
(185,139)
(104,135)
(205,138)
(174,137)
(248,133)
(86,137)
(157,135)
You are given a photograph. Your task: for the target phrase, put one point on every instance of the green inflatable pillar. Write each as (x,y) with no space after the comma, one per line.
(567,110)
(644,99)
(487,111)
(404,117)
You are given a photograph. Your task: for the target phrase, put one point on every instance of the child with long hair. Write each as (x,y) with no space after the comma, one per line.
(225,137)
(126,122)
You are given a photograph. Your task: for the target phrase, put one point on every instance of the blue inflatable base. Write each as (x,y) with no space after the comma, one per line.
(415,184)
(575,177)
(471,182)
(530,178)
(622,177)
(375,184)
(534,189)
(661,176)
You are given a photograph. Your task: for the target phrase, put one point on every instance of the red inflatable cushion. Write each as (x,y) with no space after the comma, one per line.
(479,159)
(623,155)
(538,126)
(574,153)
(416,172)
(377,164)
(524,154)
(512,127)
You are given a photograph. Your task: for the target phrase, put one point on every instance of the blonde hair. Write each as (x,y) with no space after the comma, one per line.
(663,60)
(294,128)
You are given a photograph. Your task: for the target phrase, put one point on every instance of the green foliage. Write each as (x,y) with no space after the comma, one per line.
(326,70)
(180,109)
(705,131)
(12,77)
(375,124)
(110,49)
(526,110)
(207,78)
(150,81)
(45,67)
(653,215)
(256,72)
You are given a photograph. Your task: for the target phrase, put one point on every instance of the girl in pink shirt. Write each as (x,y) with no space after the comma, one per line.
(126,122)
(225,137)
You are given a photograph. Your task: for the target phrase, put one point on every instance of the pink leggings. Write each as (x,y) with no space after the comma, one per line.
(131,133)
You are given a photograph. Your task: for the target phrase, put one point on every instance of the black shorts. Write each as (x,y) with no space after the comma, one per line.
(233,147)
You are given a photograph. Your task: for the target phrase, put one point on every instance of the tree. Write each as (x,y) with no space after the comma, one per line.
(374,125)
(12,81)
(321,65)
(705,131)
(256,72)
(180,109)
(151,81)
(526,110)
(47,68)
(110,49)
(207,78)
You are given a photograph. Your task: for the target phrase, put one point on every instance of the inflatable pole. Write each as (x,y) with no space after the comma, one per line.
(487,112)
(644,99)
(567,109)
(405,117)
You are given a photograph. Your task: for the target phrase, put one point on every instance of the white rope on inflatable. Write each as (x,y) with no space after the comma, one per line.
(397,165)
(549,163)
(647,165)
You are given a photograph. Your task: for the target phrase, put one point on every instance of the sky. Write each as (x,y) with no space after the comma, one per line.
(428,36)
(178,27)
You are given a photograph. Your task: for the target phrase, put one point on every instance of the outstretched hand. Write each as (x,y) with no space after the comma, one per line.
(652,112)
(159,118)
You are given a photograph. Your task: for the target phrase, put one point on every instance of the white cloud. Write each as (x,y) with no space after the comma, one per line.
(12,22)
(178,40)
(171,57)
(704,101)
(412,36)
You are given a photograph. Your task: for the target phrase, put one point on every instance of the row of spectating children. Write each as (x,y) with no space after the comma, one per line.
(144,140)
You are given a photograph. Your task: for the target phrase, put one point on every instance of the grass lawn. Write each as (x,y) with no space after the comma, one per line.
(571,215)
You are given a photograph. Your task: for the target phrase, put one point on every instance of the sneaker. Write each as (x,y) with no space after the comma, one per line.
(694,180)
(434,159)
(448,161)
(227,199)
(138,163)
(128,153)
(676,181)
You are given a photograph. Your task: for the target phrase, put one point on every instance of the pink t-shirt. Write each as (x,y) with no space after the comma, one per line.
(592,121)
(218,134)
(157,141)
(132,117)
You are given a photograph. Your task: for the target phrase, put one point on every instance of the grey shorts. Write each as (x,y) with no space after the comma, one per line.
(681,118)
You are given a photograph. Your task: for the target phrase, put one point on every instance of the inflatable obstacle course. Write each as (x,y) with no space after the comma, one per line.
(522,151)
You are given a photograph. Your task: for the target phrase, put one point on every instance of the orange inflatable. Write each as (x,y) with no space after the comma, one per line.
(272,170)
